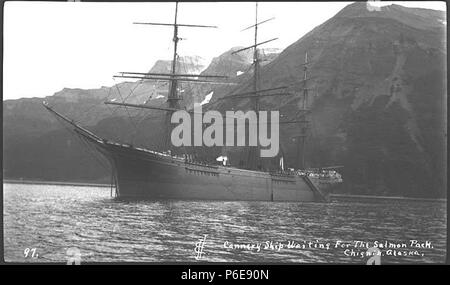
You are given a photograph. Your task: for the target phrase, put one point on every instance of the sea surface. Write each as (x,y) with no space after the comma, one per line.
(46,223)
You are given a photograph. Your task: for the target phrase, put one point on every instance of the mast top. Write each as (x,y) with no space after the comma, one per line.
(262,22)
(175,24)
(172,76)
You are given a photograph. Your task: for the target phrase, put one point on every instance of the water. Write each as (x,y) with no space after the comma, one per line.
(49,219)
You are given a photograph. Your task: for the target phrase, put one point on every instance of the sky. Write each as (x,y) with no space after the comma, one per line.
(49,46)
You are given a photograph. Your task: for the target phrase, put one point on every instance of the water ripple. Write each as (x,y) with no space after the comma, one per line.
(54,218)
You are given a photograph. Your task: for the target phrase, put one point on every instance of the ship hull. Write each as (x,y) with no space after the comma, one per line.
(326,184)
(145,174)
(142,173)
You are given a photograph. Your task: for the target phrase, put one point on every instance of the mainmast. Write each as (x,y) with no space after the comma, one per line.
(253,159)
(253,155)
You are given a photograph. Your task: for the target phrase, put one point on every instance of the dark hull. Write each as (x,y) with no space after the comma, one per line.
(325,184)
(145,174)
(141,173)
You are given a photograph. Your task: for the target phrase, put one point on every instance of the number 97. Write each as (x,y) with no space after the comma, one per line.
(27,251)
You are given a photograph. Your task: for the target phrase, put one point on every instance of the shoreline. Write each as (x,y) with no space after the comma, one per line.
(340,197)
(12,181)
(351,197)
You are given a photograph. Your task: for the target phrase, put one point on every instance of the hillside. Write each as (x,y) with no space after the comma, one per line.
(378,105)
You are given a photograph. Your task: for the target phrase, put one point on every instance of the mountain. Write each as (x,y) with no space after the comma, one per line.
(226,64)
(378,98)
(236,66)
(187,64)
(378,86)
(28,129)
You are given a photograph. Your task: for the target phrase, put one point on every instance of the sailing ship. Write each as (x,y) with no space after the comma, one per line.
(145,173)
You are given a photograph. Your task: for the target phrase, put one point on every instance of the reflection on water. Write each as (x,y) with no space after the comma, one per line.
(53,218)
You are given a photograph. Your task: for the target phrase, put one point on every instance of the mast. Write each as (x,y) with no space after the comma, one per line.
(253,154)
(253,159)
(172,103)
(255,59)
(303,122)
(172,98)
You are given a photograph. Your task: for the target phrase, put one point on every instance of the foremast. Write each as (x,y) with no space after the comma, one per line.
(254,161)
(173,98)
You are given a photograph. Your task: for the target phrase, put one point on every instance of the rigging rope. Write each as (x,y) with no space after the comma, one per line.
(128,112)
(142,110)
(88,149)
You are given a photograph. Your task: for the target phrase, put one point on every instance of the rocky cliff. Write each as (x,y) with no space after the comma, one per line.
(377,100)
